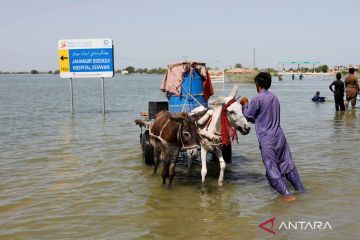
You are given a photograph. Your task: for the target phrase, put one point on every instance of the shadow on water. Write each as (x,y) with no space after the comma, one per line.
(345,124)
(350,119)
(234,173)
(189,208)
(338,122)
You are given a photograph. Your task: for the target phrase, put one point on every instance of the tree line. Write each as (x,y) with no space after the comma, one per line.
(131,69)
(319,69)
(34,71)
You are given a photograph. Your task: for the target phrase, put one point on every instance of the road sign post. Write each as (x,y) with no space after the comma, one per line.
(86,58)
(72,96)
(103,95)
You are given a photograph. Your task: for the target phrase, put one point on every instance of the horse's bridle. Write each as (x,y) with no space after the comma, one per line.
(180,137)
(231,119)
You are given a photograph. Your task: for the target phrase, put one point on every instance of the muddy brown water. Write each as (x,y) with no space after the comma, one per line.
(82,176)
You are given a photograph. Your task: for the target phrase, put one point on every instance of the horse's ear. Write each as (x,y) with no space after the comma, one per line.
(177,119)
(196,116)
(219,101)
(234,91)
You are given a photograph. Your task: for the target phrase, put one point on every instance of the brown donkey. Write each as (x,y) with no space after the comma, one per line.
(169,134)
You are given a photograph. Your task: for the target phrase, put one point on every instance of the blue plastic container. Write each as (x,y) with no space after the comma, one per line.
(191,85)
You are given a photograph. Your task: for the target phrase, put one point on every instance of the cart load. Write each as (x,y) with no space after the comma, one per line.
(187,85)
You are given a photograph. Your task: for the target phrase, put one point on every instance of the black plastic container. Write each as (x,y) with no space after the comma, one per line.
(155,107)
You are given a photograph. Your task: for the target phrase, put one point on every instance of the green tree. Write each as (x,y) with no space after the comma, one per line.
(56,71)
(270,70)
(322,68)
(130,69)
(157,71)
(238,65)
(141,70)
(34,71)
(305,69)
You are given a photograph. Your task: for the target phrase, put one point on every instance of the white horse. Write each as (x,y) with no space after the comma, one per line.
(210,128)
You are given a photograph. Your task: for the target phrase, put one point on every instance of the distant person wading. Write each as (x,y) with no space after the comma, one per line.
(351,88)
(338,92)
(317,98)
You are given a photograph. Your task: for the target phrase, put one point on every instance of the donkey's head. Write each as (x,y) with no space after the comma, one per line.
(234,112)
(187,134)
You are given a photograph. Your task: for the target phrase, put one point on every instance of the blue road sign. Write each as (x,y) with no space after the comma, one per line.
(86,58)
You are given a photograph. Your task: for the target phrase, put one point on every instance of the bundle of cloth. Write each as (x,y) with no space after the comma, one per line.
(174,77)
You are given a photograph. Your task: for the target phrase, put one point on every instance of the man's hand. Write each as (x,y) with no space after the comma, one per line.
(244,101)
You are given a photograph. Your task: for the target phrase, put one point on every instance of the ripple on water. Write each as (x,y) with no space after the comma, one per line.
(81,176)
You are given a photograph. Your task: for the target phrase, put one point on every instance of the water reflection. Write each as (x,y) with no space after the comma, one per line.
(338,123)
(66,173)
(350,119)
(69,131)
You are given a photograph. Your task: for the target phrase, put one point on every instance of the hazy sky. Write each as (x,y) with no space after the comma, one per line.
(153,33)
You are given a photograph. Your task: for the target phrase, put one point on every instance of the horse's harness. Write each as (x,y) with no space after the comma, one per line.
(179,132)
(178,135)
(212,142)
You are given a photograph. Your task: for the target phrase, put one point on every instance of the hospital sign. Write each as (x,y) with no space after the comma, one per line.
(83,58)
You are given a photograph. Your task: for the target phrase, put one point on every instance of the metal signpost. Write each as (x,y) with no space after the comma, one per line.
(86,58)
(298,64)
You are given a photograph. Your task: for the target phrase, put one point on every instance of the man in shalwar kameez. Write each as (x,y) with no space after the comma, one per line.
(351,88)
(264,111)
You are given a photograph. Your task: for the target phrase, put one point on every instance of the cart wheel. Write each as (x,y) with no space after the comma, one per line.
(227,153)
(141,142)
(148,150)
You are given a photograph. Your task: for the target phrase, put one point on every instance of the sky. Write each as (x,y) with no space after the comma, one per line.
(154,33)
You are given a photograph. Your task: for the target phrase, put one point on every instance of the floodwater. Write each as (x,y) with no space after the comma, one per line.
(82,176)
